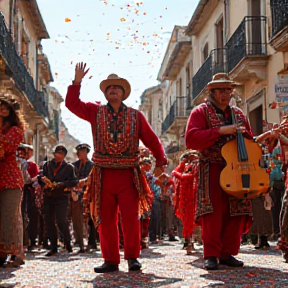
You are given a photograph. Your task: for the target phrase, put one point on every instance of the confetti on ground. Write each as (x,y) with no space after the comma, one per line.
(167,265)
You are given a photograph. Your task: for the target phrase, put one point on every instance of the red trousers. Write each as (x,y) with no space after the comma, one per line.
(221,233)
(119,194)
(145,227)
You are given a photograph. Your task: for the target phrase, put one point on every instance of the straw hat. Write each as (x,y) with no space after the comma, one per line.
(221,80)
(113,79)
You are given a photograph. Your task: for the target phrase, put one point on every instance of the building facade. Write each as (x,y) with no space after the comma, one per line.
(25,73)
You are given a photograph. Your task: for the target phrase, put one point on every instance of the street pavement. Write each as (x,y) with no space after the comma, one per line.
(166,265)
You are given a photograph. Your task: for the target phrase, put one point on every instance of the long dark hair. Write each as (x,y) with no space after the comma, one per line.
(13,119)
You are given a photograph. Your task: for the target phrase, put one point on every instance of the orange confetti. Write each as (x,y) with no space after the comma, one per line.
(251,274)
(108,33)
(165,8)
(136,11)
(122,19)
(56,74)
(155,34)
(67,20)
(144,13)
(117,47)
(56,41)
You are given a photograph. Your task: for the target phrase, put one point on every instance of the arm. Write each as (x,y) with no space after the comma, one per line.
(198,135)
(81,109)
(72,180)
(73,103)
(151,141)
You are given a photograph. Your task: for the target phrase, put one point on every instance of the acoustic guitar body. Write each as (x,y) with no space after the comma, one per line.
(243,179)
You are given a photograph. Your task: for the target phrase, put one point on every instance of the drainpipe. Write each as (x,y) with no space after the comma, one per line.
(227,19)
(37,143)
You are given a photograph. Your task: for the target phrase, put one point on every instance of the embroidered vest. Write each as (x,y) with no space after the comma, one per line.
(213,153)
(116,138)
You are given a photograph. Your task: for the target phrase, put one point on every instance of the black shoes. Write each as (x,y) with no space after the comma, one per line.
(134,265)
(232,262)
(51,253)
(106,268)
(12,261)
(211,263)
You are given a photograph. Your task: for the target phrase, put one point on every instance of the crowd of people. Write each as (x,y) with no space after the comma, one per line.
(123,198)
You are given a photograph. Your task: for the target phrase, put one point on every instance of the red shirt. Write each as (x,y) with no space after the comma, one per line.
(87,111)
(32,169)
(10,173)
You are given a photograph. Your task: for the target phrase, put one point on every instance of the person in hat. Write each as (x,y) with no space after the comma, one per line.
(83,167)
(222,217)
(29,206)
(116,175)
(11,184)
(57,176)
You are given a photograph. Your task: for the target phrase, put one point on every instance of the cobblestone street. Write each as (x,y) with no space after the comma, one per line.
(165,265)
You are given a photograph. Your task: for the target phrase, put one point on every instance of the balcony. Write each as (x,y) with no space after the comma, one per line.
(16,69)
(279,37)
(247,49)
(215,63)
(177,116)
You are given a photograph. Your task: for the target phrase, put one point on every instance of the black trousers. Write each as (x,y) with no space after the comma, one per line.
(277,194)
(55,212)
(30,213)
(93,234)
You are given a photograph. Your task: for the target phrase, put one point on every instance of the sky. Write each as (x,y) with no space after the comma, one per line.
(128,38)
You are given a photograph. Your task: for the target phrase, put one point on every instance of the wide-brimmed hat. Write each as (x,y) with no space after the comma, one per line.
(221,80)
(113,79)
(83,146)
(12,103)
(61,148)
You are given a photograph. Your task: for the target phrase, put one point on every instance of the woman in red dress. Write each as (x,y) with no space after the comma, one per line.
(11,184)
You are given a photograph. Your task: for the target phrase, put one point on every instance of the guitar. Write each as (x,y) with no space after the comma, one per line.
(242,176)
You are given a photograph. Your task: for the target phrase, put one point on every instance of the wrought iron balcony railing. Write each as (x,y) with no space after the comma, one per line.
(279,11)
(178,109)
(215,63)
(248,39)
(16,68)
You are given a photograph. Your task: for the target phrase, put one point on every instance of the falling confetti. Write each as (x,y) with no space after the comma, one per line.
(67,20)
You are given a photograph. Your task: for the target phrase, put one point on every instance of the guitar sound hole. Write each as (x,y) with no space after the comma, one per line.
(228,185)
(261,184)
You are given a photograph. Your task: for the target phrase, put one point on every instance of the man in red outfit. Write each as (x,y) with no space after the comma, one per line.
(116,175)
(223,218)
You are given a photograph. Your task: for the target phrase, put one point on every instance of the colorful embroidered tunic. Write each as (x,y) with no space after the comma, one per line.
(10,174)
(116,141)
(203,135)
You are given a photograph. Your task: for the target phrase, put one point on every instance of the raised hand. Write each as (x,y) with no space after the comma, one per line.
(80,72)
